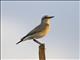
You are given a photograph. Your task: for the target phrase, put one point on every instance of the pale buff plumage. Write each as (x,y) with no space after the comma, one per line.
(39,31)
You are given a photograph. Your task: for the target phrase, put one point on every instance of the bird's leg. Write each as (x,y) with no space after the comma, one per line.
(37,41)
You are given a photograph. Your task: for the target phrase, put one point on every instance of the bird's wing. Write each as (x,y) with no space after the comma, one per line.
(35,30)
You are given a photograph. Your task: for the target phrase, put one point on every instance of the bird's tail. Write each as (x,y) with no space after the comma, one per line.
(19,42)
(23,39)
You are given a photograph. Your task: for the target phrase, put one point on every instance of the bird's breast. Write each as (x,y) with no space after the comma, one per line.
(44,31)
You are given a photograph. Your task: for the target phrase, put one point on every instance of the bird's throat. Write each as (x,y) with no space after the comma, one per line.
(48,22)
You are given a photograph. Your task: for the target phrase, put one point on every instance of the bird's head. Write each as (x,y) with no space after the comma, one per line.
(46,19)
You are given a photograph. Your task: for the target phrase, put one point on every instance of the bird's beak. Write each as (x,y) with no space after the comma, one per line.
(51,17)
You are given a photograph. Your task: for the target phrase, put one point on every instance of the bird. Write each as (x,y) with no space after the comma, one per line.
(40,31)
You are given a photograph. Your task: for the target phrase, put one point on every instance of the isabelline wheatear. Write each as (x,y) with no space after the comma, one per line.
(39,31)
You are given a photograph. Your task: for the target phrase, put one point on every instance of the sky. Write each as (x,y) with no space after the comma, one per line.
(20,17)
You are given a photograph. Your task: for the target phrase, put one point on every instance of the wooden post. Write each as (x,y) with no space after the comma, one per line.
(42,52)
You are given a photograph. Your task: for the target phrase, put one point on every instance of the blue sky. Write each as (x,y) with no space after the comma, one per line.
(18,18)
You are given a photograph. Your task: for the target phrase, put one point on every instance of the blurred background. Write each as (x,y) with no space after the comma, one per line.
(20,17)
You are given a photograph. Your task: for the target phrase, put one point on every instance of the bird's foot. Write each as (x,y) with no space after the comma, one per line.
(37,42)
